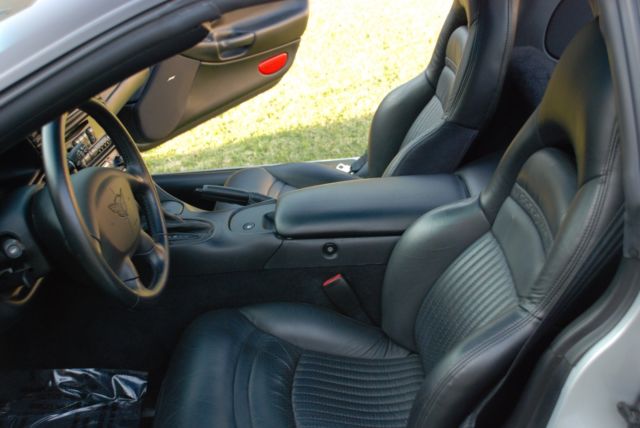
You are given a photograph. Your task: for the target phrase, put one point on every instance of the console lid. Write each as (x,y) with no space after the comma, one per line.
(367,207)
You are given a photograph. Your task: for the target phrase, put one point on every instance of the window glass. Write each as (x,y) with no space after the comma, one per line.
(352,54)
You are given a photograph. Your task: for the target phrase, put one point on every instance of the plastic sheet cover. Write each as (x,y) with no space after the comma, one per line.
(72,398)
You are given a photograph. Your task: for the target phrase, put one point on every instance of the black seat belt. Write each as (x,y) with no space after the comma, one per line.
(359,163)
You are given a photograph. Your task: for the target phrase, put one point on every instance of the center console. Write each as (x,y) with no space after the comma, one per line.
(343,224)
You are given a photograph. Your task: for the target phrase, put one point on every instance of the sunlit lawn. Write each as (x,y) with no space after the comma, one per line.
(352,54)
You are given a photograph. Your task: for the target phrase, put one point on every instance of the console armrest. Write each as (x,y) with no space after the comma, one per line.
(367,207)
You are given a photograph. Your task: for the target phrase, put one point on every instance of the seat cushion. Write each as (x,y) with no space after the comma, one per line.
(275,180)
(288,365)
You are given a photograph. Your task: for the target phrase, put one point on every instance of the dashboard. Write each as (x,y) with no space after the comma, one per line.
(87,143)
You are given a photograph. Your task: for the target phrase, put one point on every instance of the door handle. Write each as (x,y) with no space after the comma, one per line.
(217,47)
(236,41)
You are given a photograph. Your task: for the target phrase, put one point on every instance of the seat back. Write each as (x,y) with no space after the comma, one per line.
(468,283)
(426,125)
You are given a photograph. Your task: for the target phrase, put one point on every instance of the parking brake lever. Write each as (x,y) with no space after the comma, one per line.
(230,195)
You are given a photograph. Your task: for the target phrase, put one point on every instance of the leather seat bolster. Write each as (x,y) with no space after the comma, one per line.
(478,86)
(451,390)
(425,251)
(213,360)
(321,330)
(438,151)
(393,119)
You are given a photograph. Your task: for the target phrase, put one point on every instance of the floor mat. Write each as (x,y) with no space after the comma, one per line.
(71,398)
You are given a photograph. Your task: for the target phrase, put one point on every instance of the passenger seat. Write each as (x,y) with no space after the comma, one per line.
(426,125)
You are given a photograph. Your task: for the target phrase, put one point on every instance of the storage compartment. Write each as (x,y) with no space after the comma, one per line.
(370,207)
(354,223)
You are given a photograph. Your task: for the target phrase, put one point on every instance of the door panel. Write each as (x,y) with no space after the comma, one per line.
(246,52)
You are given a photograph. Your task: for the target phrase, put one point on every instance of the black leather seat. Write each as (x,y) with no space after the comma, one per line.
(426,125)
(465,286)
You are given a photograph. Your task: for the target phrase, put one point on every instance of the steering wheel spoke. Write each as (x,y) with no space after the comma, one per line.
(137,183)
(149,251)
(128,271)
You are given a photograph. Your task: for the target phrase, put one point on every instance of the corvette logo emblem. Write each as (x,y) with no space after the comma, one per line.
(118,206)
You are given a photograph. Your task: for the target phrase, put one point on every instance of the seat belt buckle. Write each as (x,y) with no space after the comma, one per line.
(340,293)
(344,167)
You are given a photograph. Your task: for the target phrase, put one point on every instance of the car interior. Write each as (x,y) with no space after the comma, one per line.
(398,288)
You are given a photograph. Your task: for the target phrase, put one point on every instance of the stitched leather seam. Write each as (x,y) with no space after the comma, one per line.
(363,362)
(404,153)
(273,183)
(464,185)
(506,262)
(351,423)
(499,336)
(294,368)
(448,62)
(588,237)
(374,417)
(400,404)
(504,61)
(526,202)
(370,417)
(291,388)
(341,379)
(405,397)
(479,269)
(428,405)
(452,22)
(249,383)
(466,73)
(427,124)
(245,342)
(606,256)
(372,399)
(408,365)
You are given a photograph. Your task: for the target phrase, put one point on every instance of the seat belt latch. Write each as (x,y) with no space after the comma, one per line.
(344,298)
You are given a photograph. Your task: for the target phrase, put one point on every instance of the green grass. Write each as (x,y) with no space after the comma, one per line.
(352,54)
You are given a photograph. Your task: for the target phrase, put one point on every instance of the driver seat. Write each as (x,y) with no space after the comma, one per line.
(465,286)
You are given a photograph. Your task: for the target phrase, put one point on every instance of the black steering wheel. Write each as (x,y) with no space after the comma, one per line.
(99,211)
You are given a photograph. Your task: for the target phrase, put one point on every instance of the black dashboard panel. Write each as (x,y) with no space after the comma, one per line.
(87,144)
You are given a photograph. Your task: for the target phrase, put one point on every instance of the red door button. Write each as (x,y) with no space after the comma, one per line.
(273,64)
